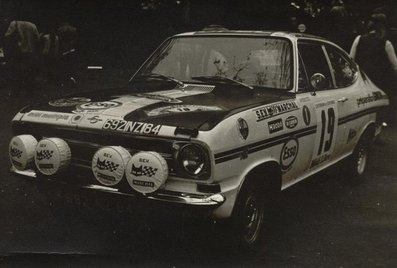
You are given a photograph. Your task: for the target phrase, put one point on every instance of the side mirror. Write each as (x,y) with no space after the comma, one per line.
(318,81)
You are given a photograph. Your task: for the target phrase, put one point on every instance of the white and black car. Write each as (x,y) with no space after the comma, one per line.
(220,120)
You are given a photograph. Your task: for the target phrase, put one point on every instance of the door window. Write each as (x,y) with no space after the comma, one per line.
(344,70)
(314,61)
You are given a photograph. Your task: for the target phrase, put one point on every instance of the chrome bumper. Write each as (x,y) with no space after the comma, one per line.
(212,200)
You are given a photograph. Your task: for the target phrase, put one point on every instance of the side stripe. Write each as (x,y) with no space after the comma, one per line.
(261,145)
(351,117)
(265,144)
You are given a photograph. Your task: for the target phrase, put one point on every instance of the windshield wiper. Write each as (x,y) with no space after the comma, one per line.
(221,79)
(179,83)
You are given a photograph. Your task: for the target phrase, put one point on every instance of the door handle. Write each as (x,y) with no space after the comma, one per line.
(343,99)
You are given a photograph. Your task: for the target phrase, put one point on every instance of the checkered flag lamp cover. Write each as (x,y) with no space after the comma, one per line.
(44,154)
(107,165)
(14,152)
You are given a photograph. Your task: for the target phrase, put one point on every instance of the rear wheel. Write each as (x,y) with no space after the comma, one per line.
(357,162)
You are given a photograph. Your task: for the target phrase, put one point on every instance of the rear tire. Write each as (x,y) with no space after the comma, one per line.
(357,163)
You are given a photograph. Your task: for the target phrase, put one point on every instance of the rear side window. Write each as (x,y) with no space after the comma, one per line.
(314,61)
(344,70)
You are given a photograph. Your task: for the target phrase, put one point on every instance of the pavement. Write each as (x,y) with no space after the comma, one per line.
(324,221)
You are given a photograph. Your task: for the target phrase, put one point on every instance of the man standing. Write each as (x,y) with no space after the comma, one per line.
(21,39)
(376,56)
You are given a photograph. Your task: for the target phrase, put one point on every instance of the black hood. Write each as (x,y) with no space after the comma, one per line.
(197,107)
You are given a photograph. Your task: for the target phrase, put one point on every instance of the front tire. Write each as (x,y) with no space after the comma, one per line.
(253,213)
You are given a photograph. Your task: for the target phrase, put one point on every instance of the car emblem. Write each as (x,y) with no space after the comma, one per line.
(243,128)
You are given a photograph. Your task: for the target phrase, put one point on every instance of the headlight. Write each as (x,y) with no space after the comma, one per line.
(193,159)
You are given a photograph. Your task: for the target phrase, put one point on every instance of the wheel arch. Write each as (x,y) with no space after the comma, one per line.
(270,181)
(369,129)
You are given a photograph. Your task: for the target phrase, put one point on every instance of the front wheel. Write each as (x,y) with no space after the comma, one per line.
(252,215)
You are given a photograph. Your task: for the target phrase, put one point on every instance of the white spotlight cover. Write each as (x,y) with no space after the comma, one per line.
(108,164)
(52,155)
(21,151)
(146,172)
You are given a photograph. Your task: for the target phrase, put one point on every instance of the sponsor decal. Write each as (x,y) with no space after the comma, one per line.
(288,154)
(94,119)
(143,171)
(14,152)
(351,135)
(106,165)
(93,107)
(49,116)
(306,115)
(291,122)
(143,183)
(182,109)
(317,161)
(243,129)
(68,102)
(275,109)
(375,96)
(76,118)
(158,97)
(44,154)
(325,103)
(131,127)
(305,99)
(275,125)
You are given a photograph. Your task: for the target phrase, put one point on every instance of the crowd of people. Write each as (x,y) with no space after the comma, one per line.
(29,54)
(370,41)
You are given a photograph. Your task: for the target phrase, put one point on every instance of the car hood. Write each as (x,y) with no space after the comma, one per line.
(198,107)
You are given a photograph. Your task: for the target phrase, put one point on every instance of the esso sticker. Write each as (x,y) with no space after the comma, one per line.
(288,154)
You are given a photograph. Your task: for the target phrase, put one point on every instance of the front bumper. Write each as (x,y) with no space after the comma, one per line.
(210,201)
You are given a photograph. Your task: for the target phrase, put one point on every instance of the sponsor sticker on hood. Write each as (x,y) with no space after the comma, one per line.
(68,102)
(181,109)
(48,117)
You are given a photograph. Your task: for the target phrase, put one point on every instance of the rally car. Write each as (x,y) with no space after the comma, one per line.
(222,120)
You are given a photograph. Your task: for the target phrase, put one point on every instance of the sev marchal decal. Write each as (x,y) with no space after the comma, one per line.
(376,95)
(131,127)
(275,109)
(68,102)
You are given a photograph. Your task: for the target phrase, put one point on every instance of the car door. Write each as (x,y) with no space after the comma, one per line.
(321,103)
(345,73)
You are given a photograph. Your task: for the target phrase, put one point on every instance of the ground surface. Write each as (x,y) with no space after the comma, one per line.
(323,222)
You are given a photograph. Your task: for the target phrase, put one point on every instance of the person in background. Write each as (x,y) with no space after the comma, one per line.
(68,53)
(376,56)
(21,44)
(50,55)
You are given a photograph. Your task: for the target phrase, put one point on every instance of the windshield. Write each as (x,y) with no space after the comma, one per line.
(255,61)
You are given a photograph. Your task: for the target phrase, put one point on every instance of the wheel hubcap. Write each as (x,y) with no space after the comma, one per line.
(253,216)
(361,160)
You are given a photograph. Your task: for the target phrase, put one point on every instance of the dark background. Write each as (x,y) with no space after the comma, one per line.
(323,222)
(122,33)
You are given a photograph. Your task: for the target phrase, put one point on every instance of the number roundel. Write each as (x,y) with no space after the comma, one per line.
(306,115)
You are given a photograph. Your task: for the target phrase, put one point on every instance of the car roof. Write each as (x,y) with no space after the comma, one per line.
(223,32)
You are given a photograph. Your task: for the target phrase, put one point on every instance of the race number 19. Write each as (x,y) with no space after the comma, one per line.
(327,125)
